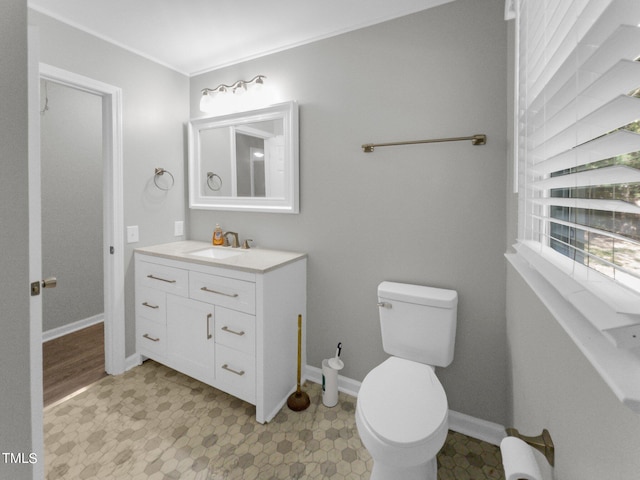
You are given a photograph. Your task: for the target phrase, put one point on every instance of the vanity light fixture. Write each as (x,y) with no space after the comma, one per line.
(239,87)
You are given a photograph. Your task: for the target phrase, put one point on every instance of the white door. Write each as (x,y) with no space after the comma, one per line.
(35,254)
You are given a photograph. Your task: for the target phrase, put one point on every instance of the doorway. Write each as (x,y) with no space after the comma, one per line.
(111,243)
(72,224)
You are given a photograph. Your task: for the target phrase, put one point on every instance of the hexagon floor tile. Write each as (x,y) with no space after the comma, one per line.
(157,424)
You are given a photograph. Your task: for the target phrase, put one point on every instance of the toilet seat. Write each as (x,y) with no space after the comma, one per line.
(403,403)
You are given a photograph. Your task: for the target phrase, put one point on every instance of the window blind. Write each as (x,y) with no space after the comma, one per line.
(578,145)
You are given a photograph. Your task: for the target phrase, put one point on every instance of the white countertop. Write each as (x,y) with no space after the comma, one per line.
(255,260)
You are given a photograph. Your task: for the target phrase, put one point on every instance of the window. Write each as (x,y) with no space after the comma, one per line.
(578,147)
(602,236)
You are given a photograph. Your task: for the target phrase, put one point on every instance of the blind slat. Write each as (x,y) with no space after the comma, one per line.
(614,175)
(608,146)
(588,204)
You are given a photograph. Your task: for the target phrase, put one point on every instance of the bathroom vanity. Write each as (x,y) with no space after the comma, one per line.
(225,316)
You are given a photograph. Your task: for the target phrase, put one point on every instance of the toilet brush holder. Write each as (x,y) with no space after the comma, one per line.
(329,384)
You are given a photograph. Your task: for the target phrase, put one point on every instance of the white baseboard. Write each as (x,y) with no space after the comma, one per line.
(132,361)
(483,430)
(72,327)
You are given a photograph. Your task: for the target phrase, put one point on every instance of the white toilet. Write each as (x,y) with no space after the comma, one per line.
(402,410)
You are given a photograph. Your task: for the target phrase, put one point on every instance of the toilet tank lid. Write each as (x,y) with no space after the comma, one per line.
(418,294)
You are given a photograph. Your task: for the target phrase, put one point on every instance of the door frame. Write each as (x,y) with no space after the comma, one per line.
(113,217)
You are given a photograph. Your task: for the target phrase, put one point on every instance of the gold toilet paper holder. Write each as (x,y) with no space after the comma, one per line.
(542,443)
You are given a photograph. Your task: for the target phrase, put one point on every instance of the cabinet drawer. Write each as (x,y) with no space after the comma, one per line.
(236,330)
(168,279)
(150,337)
(227,292)
(151,304)
(236,373)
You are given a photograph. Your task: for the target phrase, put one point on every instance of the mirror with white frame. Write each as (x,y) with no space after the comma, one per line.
(245,161)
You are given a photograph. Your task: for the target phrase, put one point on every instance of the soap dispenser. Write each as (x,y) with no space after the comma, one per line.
(217,236)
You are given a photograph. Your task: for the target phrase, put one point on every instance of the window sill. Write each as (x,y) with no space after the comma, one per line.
(619,367)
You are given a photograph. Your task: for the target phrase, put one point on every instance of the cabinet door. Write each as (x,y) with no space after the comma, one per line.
(190,341)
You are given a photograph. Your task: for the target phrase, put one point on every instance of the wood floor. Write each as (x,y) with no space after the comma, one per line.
(72,362)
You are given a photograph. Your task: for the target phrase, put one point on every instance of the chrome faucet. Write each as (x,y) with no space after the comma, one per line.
(235,243)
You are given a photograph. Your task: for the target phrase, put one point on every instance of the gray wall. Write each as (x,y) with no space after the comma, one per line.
(155,109)
(429,214)
(552,385)
(15,414)
(71,166)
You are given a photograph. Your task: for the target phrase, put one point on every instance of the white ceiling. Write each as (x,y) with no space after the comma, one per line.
(194,36)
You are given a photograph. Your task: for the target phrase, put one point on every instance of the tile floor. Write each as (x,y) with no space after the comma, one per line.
(154,423)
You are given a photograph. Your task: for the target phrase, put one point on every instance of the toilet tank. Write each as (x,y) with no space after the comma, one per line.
(418,323)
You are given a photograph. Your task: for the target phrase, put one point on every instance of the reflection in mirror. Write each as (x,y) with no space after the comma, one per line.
(246,161)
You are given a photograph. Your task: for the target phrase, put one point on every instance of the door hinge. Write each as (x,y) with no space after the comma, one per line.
(112,250)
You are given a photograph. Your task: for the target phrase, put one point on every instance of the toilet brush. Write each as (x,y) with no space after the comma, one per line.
(299,400)
(335,362)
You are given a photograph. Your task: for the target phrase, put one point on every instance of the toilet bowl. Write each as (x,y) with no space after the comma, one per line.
(402,419)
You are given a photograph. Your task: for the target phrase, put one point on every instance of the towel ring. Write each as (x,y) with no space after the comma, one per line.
(160,172)
(211,179)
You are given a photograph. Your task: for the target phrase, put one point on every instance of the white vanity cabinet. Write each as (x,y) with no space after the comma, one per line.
(234,328)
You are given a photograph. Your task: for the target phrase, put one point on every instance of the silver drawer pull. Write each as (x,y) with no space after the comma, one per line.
(228,330)
(384,304)
(148,337)
(226,367)
(209,315)
(149,305)
(233,295)
(161,279)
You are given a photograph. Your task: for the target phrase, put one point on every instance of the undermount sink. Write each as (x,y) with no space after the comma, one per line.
(217,253)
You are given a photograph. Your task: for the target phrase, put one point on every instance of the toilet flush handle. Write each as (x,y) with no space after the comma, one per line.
(384,304)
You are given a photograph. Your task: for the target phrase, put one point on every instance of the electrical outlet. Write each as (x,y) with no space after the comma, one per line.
(132,234)
(178,228)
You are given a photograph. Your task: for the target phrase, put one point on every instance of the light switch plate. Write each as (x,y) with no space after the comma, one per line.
(132,234)
(178,228)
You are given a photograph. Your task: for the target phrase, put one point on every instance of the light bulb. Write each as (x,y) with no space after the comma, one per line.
(206,102)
